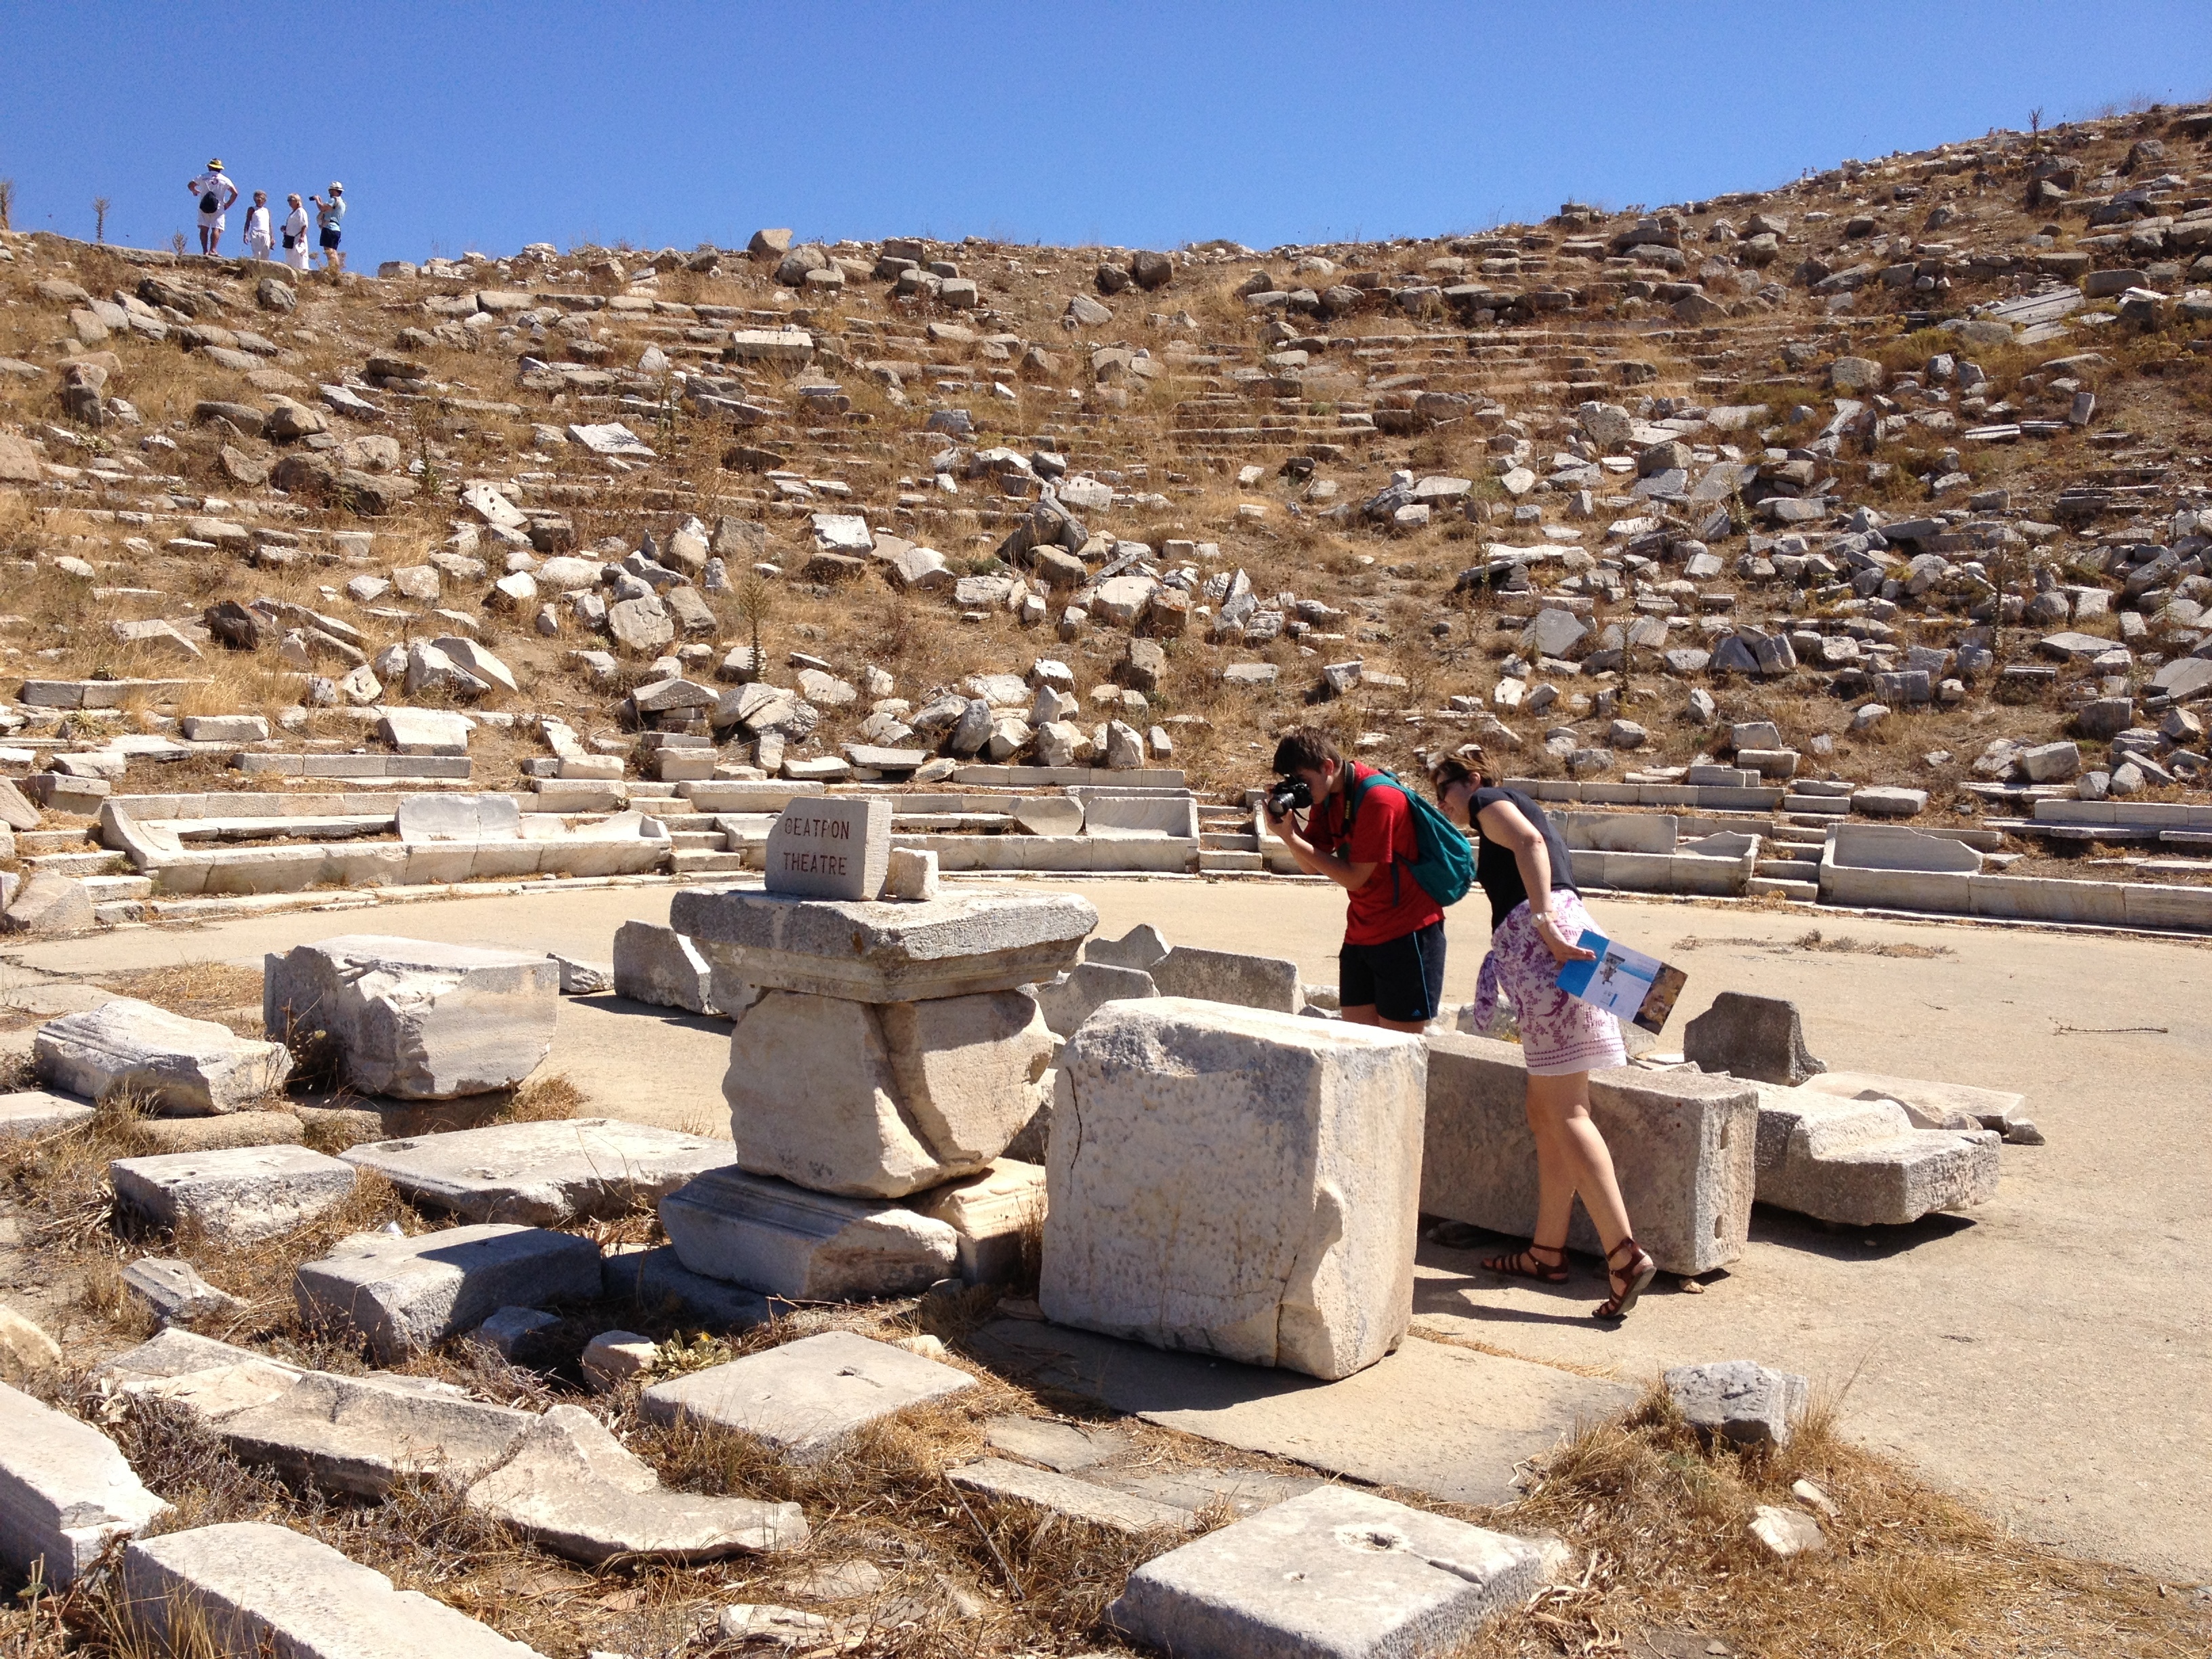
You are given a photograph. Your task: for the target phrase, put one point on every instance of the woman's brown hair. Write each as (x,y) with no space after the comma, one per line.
(1464,766)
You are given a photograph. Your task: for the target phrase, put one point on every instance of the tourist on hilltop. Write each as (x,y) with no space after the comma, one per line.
(215,193)
(1536,918)
(330,216)
(259,240)
(296,233)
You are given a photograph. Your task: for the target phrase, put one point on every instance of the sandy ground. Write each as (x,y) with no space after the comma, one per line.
(2051,1354)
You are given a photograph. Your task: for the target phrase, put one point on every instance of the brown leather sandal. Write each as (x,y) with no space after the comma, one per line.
(1637,1276)
(1527,1264)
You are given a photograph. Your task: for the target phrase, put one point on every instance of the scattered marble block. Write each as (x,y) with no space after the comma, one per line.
(207,1379)
(174,1065)
(1738,1400)
(1076,1500)
(1336,1574)
(364,1435)
(1072,998)
(545,1174)
(1761,1038)
(34,1112)
(660,966)
(1684,1147)
(508,1328)
(403,1294)
(234,1196)
(1247,1183)
(571,1486)
(175,1290)
(612,1357)
(871,1101)
(1862,1163)
(1930,1104)
(957,944)
(1141,948)
(1784,1533)
(1250,981)
(991,1214)
(415,1020)
(813,1246)
(256,1588)
(24,1345)
(584,979)
(808,1397)
(65,1491)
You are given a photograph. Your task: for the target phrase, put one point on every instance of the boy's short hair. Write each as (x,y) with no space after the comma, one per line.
(1306,749)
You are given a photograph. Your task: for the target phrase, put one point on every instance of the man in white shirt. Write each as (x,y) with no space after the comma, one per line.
(215,193)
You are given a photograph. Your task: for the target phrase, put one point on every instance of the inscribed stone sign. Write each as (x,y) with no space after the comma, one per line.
(822,847)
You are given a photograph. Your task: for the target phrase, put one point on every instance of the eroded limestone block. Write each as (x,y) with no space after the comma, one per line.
(1077,994)
(415,1018)
(770,1236)
(957,944)
(365,1434)
(1740,1400)
(660,966)
(880,1101)
(1227,976)
(1684,1148)
(808,1397)
(65,1491)
(233,1195)
(992,1212)
(571,1485)
(403,1294)
(1335,1574)
(542,1174)
(1863,1162)
(1758,1037)
(258,1587)
(1237,1181)
(176,1066)
(826,847)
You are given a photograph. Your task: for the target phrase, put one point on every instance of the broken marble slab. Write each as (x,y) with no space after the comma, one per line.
(173,1290)
(1072,1499)
(1862,1162)
(659,967)
(65,1491)
(175,1066)
(1235,1180)
(34,1112)
(414,1018)
(235,1196)
(405,1294)
(1930,1104)
(1336,1574)
(254,1588)
(209,1380)
(1738,1400)
(806,1398)
(365,1434)
(543,1173)
(571,1486)
(993,1213)
(959,944)
(771,1236)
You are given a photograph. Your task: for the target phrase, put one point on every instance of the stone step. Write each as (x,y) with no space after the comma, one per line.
(117,912)
(1224,841)
(105,888)
(1803,806)
(686,861)
(1788,870)
(29,842)
(1222,863)
(77,863)
(693,841)
(1760,887)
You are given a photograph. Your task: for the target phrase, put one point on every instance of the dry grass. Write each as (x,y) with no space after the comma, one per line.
(1813,939)
(197,990)
(1659,1522)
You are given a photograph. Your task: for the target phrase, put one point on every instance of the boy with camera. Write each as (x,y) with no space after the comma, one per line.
(1360,832)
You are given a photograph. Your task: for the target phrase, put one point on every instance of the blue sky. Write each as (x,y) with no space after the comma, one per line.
(487,125)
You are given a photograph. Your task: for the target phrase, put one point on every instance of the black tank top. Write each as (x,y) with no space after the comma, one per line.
(1495,866)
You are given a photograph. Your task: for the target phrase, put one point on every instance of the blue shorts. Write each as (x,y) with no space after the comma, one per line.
(1403,978)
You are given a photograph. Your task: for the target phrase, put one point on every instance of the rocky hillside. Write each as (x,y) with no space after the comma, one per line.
(1908,457)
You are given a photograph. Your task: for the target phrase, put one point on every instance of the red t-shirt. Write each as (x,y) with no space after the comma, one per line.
(1392,904)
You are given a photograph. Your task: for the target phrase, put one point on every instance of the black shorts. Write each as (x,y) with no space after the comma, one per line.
(1403,977)
(330,237)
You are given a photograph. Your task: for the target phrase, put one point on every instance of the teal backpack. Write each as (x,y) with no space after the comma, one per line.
(1444,862)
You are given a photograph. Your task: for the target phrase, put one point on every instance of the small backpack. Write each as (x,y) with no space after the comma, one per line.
(210,202)
(1444,862)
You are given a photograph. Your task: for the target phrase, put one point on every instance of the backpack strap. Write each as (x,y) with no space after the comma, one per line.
(1357,788)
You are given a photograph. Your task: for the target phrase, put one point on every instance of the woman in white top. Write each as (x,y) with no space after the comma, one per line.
(258,239)
(296,233)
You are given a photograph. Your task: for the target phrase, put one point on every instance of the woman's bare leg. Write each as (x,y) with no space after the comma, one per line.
(1572,1158)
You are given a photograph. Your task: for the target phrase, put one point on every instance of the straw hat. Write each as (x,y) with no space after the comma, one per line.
(214,164)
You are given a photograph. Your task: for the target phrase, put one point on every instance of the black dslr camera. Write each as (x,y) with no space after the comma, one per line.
(1292,795)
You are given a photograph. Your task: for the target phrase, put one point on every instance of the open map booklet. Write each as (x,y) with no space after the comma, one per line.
(1625,983)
